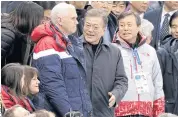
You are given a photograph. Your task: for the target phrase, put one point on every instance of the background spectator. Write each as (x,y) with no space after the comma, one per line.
(16,111)
(139,7)
(112,23)
(161,23)
(9,6)
(15,29)
(168,58)
(47,6)
(146,29)
(119,7)
(79,5)
(154,5)
(167,115)
(41,113)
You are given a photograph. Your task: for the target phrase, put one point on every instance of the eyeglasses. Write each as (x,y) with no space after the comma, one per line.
(94,27)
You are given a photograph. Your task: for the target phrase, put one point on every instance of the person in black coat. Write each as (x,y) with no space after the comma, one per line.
(80,9)
(156,17)
(15,29)
(168,58)
(119,7)
(9,6)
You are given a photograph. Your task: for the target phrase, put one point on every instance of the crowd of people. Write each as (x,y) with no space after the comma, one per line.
(89,59)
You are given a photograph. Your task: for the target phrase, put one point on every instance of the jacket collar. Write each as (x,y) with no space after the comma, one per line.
(124,44)
(104,42)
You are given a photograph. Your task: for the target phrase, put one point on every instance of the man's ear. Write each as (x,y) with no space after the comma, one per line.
(59,20)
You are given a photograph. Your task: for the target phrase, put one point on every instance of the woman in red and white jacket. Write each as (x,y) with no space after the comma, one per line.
(17,82)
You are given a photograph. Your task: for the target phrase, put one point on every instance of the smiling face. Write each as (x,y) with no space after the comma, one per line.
(34,85)
(128,29)
(174,28)
(93,29)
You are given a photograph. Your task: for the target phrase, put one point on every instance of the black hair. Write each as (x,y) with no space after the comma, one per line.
(175,15)
(125,2)
(11,75)
(128,13)
(46,4)
(26,17)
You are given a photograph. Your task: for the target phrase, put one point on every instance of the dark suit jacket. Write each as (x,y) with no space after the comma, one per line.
(154,16)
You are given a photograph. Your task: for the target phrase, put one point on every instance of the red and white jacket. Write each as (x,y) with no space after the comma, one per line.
(10,100)
(148,104)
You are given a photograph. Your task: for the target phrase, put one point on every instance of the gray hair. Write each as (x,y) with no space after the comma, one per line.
(146,27)
(98,13)
(60,9)
(167,115)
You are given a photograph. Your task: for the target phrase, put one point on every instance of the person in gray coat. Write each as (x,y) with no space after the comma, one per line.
(106,78)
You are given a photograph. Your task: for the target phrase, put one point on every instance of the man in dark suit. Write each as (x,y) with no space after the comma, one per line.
(139,7)
(157,17)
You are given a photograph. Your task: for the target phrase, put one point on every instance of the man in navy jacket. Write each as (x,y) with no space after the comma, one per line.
(60,62)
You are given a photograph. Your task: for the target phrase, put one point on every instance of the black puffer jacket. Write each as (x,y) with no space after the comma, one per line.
(169,65)
(11,42)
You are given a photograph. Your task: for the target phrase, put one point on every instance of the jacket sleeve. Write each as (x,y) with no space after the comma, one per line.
(51,79)
(7,39)
(161,53)
(158,104)
(7,100)
(121,81)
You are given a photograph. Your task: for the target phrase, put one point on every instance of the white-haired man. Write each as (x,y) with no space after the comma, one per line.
(146,29)
(60,63)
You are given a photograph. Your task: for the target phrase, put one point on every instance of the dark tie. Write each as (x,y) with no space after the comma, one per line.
(165,27)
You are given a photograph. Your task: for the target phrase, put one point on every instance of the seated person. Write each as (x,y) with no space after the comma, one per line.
(17,83)
(16,111)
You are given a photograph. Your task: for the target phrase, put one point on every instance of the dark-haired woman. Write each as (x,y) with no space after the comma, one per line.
(168,58)
(17,83)
(15,28)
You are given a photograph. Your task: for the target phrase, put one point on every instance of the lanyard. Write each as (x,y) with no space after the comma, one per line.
(135,54)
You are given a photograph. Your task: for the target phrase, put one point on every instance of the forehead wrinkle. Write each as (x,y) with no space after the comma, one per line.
(91,23)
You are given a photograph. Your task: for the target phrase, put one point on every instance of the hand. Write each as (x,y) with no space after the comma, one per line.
(112,99)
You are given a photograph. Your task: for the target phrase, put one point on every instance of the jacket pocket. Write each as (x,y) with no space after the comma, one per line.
(169,106)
